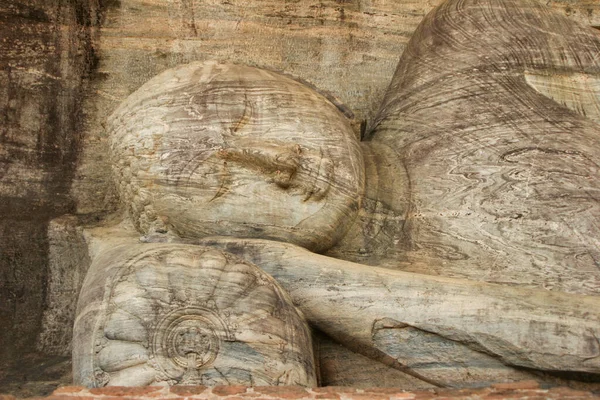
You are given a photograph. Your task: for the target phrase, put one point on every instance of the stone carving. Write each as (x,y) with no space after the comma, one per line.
(186,339)
(180,314)
(371,310)
(504,178)
(497,185)
(194,143)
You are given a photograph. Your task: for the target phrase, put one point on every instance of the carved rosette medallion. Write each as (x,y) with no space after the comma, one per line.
(187,315)
(185,341)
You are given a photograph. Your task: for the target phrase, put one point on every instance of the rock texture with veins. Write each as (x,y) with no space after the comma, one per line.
(498,187)
(493,111)
(188,315)
(461,137)
(220,149)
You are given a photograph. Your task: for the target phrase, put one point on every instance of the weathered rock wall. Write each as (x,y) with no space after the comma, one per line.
(46,55)
(61,76)
(347,48)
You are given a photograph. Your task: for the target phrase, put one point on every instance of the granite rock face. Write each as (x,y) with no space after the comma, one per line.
(181,314)
(65,66)
(347,48)
(494,112)
(209,149)
(444,331)
(46,57)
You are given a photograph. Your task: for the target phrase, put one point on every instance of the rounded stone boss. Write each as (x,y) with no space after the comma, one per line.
(211,149)
(181,314)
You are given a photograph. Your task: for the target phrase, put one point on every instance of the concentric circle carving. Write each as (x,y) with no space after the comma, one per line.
(187,315)
(186,339)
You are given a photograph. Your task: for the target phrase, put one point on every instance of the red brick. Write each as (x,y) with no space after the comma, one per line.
(453,398)
(564,391)
(69,390)
(391,392)
(124,398)
(387,390)
(327,396)
(402,395)
(125,391)
(64,397)
(116,398)
(187,390)
(514,391)
(228,390)
(335,389)
(369,396)
(455,393)
(517,385)
(283,392)
(516,395)
(424,394)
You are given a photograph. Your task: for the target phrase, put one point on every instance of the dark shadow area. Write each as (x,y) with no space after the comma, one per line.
(574,380)
(34,375)
(46,58)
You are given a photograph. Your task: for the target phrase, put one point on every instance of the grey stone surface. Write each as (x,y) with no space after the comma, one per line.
(68,262)
(218,149)
(501,148)
(52,116)
(183,314)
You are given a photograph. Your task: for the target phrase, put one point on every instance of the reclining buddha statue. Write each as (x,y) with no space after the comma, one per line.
(459,242)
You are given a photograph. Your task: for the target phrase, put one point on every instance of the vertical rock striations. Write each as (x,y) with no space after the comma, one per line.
(46,55)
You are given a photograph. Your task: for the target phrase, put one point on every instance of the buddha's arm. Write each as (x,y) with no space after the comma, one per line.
(530,328)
